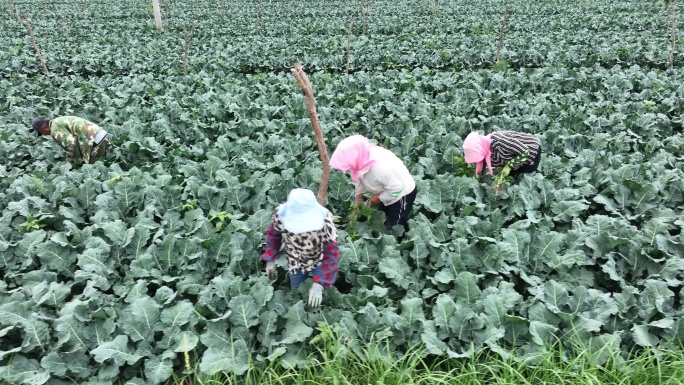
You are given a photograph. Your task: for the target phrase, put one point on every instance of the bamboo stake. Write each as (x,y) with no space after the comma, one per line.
(167,16)
(78,9)
(351,24)
(187,39)
(27,24)
(363,18)
(501,34)
(12,11)
(157,14)
(305,84)
(257,18)
(673,11)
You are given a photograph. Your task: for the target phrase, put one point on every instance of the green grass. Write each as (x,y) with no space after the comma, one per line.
(340,362)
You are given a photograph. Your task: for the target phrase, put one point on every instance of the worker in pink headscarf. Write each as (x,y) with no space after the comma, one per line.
(516,152)
(379,171)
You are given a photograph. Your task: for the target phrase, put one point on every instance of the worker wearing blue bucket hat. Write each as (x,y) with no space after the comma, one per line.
(311,243)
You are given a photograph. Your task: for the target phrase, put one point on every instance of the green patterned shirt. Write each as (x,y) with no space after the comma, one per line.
(78,136)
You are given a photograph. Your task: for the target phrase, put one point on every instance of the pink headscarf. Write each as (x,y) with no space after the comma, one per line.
(353,153)
(476,148)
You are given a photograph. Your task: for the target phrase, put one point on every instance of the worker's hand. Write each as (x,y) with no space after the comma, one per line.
(271,271)
(375,199)
(315,295)
(357,207)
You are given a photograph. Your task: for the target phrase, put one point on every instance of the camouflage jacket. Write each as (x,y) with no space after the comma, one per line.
(77,136)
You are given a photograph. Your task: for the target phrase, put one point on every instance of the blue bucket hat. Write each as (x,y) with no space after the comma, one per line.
(302,213)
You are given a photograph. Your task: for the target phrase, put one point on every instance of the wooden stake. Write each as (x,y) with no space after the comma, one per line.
(363,18)
(257,18)
(26,24)
(501,34)
(157,14)
(187,39)
(78,9)
(12,11)
(674,35)
(436,6)
(167,16)
(303,80)
(351,24)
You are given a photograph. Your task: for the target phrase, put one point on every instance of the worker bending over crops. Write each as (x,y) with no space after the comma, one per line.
(83,140)
(310,243)
(516,152)
(378,170)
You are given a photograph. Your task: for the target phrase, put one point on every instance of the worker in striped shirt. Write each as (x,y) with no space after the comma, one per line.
(515,152)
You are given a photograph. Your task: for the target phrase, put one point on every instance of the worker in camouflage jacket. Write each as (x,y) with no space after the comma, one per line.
(83,140)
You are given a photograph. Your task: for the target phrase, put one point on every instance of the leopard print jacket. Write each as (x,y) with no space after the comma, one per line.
(304,251)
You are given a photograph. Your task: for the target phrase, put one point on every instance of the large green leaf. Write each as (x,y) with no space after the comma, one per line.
(140,319)
(158,370)
(442,313)
(245,311)
(466,288)
(24,371)
(232,357)
(116,350)
(396,270)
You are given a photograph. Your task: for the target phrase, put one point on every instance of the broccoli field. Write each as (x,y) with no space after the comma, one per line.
(111,271)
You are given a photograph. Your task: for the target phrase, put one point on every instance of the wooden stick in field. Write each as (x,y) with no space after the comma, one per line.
(257,17)
(167,16)
(27,24)
(78,9)
(12,11)
(303,80)
(436,6)
(351,24)
(501,34)
(157,14)
(188,39)
(363,18)
(673,10)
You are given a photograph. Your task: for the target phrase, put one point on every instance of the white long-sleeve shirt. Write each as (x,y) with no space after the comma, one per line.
(388,177)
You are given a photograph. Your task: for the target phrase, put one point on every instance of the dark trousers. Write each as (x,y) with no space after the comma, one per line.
(528,168)
(398,212)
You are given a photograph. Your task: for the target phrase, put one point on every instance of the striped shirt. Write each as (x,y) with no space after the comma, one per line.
(506,145)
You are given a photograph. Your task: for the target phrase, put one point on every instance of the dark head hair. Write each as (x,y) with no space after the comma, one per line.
(39,123)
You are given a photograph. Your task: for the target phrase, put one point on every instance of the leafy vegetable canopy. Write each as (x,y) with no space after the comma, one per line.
(112,271)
